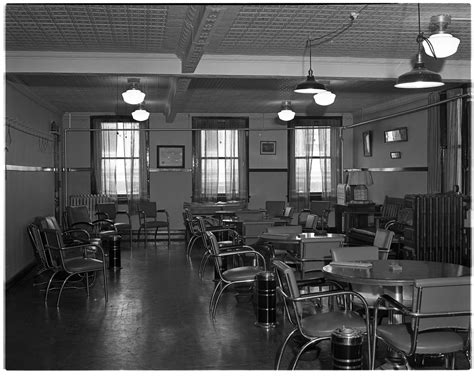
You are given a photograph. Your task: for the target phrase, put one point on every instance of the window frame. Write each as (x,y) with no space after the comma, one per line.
(95,125)
(195,153)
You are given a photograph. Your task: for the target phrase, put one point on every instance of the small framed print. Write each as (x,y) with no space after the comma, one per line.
(367,143)
(395,155)
(268,147)
(170,156)
(399,134)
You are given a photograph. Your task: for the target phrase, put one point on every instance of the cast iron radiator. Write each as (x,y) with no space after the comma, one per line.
(88,200)
(435,231)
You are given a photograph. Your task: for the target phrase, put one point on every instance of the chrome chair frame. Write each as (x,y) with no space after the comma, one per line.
(293,306)
(103,214)
(231,276)
(80,263)
(152,212)
(432,318)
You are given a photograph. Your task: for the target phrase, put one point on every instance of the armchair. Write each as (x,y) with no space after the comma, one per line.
(148,216)
(441,308)
(109,211)
(321,209)
(72,261)
(315,326)
(78,217)
(274,208)
(231,276)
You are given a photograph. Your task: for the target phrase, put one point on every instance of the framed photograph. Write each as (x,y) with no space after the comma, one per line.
(367,143)
(268,147)
(170,156)
(398,134)
(395,155)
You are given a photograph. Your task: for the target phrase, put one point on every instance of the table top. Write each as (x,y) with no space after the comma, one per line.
(393,272)
(301,237)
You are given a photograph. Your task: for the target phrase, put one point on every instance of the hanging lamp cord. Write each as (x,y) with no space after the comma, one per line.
(420,38)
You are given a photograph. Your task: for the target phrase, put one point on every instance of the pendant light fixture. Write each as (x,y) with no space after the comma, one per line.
(286,114)
(133,96)
(325,98)
(140,114)
(310,85)
(442,43)
(419,77)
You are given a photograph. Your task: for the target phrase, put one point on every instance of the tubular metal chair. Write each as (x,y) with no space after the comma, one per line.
(43,258)
(316,325)
(71,236)
(383,240)
(78,217)
(232,276)
(441,308)
(321,209)
(233,241)
(274,208)
(359,253)
(73,260)
(286,217)
(109,211)
(148,215)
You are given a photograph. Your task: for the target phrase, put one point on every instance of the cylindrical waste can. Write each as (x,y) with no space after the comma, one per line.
(114,252)
(265,286)
(346,348)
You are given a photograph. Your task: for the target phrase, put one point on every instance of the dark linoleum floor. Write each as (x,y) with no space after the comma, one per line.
(156,319)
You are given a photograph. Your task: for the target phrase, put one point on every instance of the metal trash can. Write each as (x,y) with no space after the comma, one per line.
(115,262)
(346,348)
(265,286)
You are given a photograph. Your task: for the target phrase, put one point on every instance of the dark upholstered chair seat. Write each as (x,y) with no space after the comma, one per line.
(324,324)
(241,273)
(78,265)
(429,342)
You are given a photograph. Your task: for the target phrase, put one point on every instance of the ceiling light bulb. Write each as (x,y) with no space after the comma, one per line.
(140,115)
(133,96)
(444,45)
(325,99)
(286,114)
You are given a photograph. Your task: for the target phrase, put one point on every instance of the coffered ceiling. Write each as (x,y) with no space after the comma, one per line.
(222,58)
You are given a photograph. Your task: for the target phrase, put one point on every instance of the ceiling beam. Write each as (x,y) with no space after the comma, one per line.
(225,65)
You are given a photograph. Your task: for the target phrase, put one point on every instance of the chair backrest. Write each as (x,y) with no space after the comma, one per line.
(47,222)
(106,210)
(274,208)
(446,296)
(53,243)
(383,238)
(285,229)
(77,214)
(148,208)
(303,216)
(310,221)
(320,207)
(355,253)
(38,246)
(288,284)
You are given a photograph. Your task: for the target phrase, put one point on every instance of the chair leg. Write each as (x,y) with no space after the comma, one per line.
(216,288)
(106,294)
(217,301)
(87,283)
(169,236)
(282,349)
(305,346)
(156,232)
(49,285)
(61,290)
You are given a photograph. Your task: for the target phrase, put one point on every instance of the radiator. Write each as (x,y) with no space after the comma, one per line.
(88,200)
(436,232)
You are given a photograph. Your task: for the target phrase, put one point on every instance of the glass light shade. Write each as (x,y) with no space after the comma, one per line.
(140,115)
(133,96)
(286,115)
(444,45)
(325,99)
(418,78)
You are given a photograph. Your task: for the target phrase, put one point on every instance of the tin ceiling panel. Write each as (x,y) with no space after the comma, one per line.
(386,30)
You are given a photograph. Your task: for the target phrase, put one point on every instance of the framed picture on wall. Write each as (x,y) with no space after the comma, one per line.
(268,147)
(170,156)
(398,134)
(367,143)
(395,155)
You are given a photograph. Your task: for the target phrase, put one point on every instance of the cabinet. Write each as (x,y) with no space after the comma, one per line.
(353,215)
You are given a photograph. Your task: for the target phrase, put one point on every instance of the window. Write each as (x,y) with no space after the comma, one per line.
(220,159)
(314,159)
(119,158)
